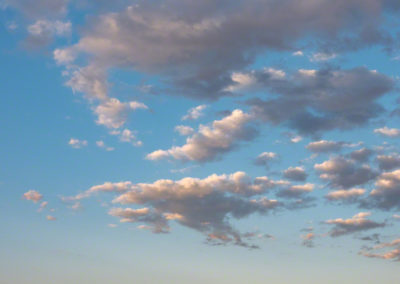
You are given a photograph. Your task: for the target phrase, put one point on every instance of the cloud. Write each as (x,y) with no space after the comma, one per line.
(127,136)
(32,195)
(158,223)
(393,254)
(211,141)
(322,100)
(184,130)
(344,173)
(295,173)
(205,205)
(90,80)
(113,113)
(265,158)
(324,146)
(320,56)
(101,144)
(308,239)
(296,191)
(196,46)
(195,113)
(357,223)
(298,53)
(51,218)
(39,8)
(388,132)
(117,187)
(43,205)
(42,31)
(361,155)
(386,194)
(76,143)
(388,162)
(345,195)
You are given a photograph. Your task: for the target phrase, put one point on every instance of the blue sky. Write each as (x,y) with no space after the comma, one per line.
(211,142)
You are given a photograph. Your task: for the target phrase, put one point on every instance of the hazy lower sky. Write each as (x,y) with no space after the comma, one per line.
(199,141)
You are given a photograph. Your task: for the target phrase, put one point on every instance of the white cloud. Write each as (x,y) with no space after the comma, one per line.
(101,144)
(307,72)
(389,132)
(45,28)
(127,136)
(76,143)
(195,113)
(32,195)
(345,194)
(357,223)
(298,53)
(320,56)
(113,114)
(209,142)
(184,130)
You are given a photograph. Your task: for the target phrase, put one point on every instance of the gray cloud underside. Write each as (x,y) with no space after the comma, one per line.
(197,46)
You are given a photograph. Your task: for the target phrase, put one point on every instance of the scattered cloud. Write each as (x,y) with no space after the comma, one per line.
(295,174)
(77,144)
(344,173)
(102,145)
(33,195)
(211,141)
(265,158)
(345,195)
(195,113)
(388,132)
(357,223)
(184,130)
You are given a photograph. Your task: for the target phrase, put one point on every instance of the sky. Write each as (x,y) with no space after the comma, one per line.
(199,141)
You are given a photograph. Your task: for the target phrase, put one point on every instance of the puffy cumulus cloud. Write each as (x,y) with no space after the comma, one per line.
(295,173)
(325,146)
(388,162)
(101,144)
(184,130)
(113,113)
(195,113)
(76,143)
(197,45)
(211,141)
(392,254)
(205,205)
(322,100)
(357,223)
(127,136)
(386,194)
(350,195)
(361,155)
(155,221)
(90,80)
(265,158)
(344,173)
(296,191)
(32,195)
(388,132)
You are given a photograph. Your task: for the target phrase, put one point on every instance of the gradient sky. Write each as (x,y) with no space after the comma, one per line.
(200,141)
